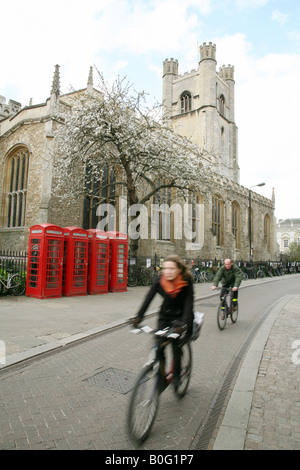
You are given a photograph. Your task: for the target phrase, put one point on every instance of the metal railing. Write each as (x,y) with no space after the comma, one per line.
(15,261)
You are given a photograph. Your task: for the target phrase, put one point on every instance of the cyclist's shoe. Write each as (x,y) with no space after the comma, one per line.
(135,321)
(234,308)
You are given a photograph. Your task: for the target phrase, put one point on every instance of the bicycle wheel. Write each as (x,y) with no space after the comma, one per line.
(143,404)
(186,370)
(222,315)
(234,315)
(209,276)
(17,284)
(260,274)
(132,279)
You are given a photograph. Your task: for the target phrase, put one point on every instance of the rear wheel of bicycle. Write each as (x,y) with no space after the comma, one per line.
(143,405)
(145,278)
(222,315)
(186,370)
(234,315)
(17,284)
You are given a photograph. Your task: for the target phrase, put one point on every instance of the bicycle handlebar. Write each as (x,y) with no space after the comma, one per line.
(166,332)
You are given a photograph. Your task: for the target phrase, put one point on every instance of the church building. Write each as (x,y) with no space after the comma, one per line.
(233,221)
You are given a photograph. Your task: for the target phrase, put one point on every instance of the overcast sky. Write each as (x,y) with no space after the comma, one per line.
(132,38)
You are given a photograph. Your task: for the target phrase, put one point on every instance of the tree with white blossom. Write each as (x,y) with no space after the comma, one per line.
(114,127)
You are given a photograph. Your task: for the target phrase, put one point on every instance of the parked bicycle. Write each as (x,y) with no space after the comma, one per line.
(12,283)
(153,379)
(244,275)
(260,273)
(205,276)
(225,309)
(202,275)
(138,276)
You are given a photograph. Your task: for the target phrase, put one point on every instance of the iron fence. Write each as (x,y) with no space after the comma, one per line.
(14,261)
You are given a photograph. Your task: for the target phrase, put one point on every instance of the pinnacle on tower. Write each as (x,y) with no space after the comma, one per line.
(55,83)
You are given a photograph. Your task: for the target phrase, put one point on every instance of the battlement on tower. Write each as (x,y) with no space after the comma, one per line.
(227,72)
(170,67)
(207,51)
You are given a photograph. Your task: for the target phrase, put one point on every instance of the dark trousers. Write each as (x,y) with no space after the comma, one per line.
(176,349)
(234,294)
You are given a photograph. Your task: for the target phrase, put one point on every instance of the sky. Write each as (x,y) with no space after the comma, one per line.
(132,38)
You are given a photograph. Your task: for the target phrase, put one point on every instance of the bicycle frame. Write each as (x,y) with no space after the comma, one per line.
(12,284)
(225,309)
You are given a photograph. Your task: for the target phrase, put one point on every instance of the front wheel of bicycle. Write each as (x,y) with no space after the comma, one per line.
(132,279)
(222,315)
(17,284)
(234,315)
(143,405)
(186,370)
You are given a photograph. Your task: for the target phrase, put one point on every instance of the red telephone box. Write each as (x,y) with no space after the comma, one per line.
(75,264)
(98,262)
(45,256)
(118,262)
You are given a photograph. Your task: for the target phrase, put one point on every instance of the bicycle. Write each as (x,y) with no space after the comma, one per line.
(153,380)
(260,274)
(244,275)
(225,309)
(138,276)
(14,283)
(196,275)
(205,276)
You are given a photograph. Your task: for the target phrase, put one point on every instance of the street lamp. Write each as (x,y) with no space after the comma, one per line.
(250,219)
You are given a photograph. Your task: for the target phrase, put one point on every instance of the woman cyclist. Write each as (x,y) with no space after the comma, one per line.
(176,288)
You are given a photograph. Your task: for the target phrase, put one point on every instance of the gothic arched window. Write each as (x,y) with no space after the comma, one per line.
(267,231)
(100,196)
(194,215)
(161,214)
(222,105)
(235,223)
(217,219)
(17,174)
(186,102)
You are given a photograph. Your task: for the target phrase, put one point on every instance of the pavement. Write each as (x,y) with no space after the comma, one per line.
(264,406)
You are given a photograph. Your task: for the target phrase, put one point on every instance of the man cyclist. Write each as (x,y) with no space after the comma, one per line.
(229,275)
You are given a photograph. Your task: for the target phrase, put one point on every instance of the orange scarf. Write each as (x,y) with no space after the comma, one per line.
(173,287)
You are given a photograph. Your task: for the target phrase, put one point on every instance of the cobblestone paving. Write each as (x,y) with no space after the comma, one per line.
(274,421)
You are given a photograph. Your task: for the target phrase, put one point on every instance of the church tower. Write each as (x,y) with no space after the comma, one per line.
(200,105)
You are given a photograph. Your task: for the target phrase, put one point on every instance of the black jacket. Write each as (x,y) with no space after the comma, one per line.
(173,308)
